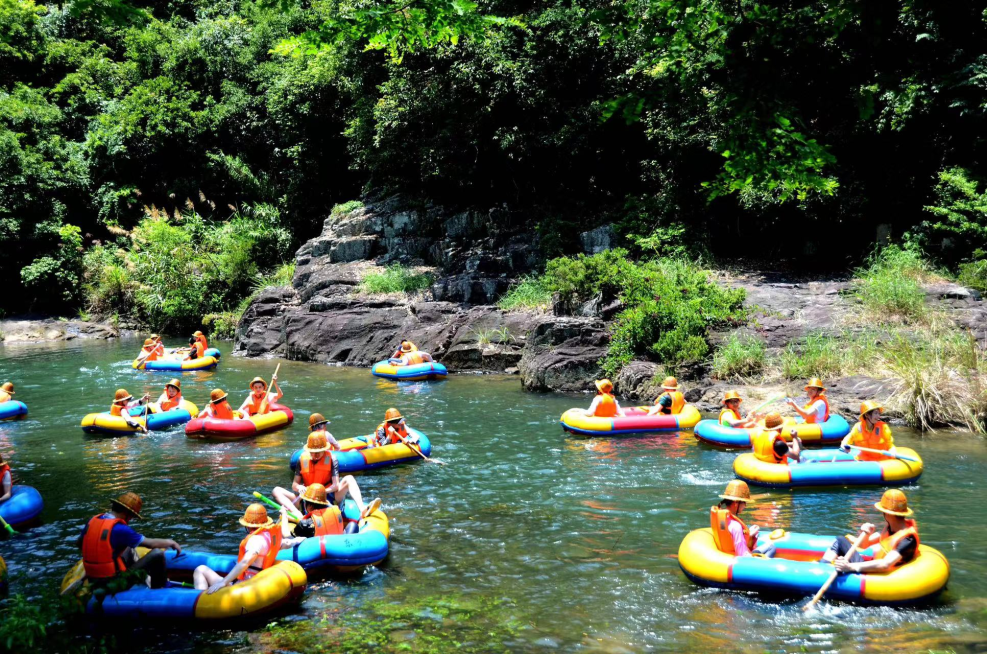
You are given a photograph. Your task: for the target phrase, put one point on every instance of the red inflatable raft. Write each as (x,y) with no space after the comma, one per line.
(231,430)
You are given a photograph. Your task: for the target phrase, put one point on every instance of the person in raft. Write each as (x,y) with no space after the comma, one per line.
(258,550)
(317,465)
(320,517)
(255,404)
(730,413)
(6,480)
(769,446)
(411,356)
(218,407)
(159,348)
(394,429)
(604,405)
(6,392)
(730,533)
(897,543)
(671,401)
(816,410)
(109,545)
(401,349)
(123,402)
(870,432)
(171,398)
(149,352)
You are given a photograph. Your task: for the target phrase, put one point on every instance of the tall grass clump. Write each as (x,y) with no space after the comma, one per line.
(529,294)
(890,286)
(395,279)
(739,358)
(823,355)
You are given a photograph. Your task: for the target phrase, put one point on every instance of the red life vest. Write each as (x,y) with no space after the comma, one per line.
(116,409)
(315,472)
(201,340)
(607,408)
(719,520)
(273,536)
(811,420)
(5,468)
(97,552)
(327,521)
(726,411)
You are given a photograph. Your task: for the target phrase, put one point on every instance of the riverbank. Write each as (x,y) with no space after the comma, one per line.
(41,330)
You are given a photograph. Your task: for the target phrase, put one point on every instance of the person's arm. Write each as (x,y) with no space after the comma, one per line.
(799,410)
(7,486)
(331,440)
(237,570)
(161,544)
(882,564)
(848,439)
(739,542)
(243,407)
(592,407)
(795,448)
(297,485)
(620,412)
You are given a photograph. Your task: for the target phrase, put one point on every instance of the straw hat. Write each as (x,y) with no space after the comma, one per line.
(670,383)
(317,419)
(154,337)
(731,395)
(122,396)
(405,346)
(315,494)
(815,382)
(217,395)
(604,385)
(894,502)
(773,421)
(256,517)
(197,333)
(176,383)
(870,405)
(737,491)
(392,415)
(317,442)
(255,380)
(129,502)
(8,388)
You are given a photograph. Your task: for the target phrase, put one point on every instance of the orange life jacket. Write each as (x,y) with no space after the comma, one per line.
(167,404)
(384,430)
(327,521)
(412,358)
(253,406)
(888,543)
(315,472)
(878,439)
(811,420)
(764,447)
(221,411)
(726,412)
(97,552)
(719,520)
(607,408)
(678,400)
(5,468)
(152,353)
(274,537)
(201,340)
(116,409)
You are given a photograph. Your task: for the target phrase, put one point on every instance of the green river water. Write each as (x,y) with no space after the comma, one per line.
(528,540)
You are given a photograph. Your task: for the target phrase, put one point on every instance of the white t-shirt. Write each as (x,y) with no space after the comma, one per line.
(818,409)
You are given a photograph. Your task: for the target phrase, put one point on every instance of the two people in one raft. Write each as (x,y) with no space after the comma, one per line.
(258,402)
(605,405)
(123,402)
(815,411)
(154,348)
(898,541)
(408,354)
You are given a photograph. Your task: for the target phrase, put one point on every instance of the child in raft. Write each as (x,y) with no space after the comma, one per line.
(254,403)
(896,544)
(671,401)
(171,398)
(731,534)
(730,414)
(604,405)
(6,481)
(6,392)
(123,402)
(816,410)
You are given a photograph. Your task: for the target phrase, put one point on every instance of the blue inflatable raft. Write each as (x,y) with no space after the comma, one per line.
(830,432)
(23,507)
(104,423)
(419,372)
(12,409)
(830,467)
(355,456)
(209,360)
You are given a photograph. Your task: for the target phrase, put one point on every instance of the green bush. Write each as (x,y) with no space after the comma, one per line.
(890,286)
(529,294)
(395,279)
(344,208)
(974,275)
(739,358)
(821,355)
(56,280)
(960,229)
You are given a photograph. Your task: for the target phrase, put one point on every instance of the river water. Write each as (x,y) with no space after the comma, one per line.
(528,540)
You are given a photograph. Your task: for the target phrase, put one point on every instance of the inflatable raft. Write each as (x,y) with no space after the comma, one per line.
(796,571)
(829,467)
(830,432)
(418,372)
(231,430)
(12,410)
(634,421)
(104,423)
(355,456)
(269,590)
(208,361)
(23,507)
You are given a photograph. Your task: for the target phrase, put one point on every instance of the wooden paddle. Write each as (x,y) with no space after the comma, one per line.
(895,455)
(417,450)
(267,395)
(7,526)
(836,573)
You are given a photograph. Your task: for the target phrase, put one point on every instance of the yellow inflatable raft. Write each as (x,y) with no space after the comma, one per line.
(830,467)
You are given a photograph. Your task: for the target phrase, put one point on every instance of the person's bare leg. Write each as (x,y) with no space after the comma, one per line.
(285,498)
(348,485)
(204,577)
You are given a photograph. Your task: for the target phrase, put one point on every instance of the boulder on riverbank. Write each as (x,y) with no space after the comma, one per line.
(51,329)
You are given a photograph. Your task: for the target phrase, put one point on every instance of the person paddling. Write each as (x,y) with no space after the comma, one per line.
(195,349)
(870,432)
(123,402)
(218,407)
(6,392)
(671,401)
(171,398)
(256,404)
(6,481)
(730,533)
(604,405)
(897,543)
(148,352)
(769,446)
(320,517)
(258,550)
(109,545)
(394,429)
(816,410)
(730,413)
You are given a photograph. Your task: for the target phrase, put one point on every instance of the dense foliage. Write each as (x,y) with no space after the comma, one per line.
(760,129)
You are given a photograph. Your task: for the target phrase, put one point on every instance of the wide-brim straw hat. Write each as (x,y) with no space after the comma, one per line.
(670,384)
(129,502)
(8,388)
(870,405)
(317,442)
(737,491)
(604,385)
(894,502)
(731,395)
(406,347)
(217,395)
(774,422)
(317,419)
(254,512)
(815,382)
(122,395)
(315,494)
(254,381)
(176,383)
